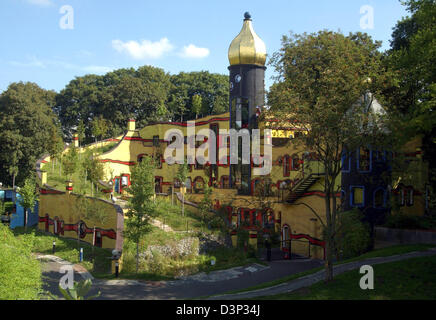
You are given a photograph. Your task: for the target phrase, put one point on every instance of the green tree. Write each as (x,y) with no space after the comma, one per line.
(412,58)
(26,119)
(70,162)
(99,127)
(81,132)
(205,205)
(56,146)
(212,87)
(196,104)
(29,196)
(141,204)
(324,87)
(182,176)
(93,169)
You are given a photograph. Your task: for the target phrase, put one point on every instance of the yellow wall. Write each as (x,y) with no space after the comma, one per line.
(64,206)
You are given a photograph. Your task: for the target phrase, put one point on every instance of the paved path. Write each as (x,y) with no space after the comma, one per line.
(199,285)
(319,276)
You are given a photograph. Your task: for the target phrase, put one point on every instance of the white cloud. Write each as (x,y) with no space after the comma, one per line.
(55,63)
(32,62)
(97,69)
(193,51)
(144,49)
(42,3)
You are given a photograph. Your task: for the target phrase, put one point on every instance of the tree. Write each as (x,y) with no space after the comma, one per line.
(182,175)
(99,127)
(56,145)
(26,120)
(93,169)
(141,205)
(326,85)
(81,132)
(205,205)
(28,197)
(212,87)
(196,104)
(412,58)
(70,162)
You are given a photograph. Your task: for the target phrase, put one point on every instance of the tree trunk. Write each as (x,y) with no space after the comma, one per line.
(93,244)
(183,204)
(329,231)
(25,220)
(13,181)
(137,257)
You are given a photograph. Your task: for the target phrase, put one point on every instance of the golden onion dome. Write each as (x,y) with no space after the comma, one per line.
(247,47)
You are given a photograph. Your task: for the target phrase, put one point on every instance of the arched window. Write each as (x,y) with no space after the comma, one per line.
(286,166)
(379,198)
(295,163)
(198,185)
(285,236)
(409,196)
(225,182)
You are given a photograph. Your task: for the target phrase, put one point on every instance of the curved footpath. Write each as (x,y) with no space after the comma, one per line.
(198,285)
(215,283)
(319,276)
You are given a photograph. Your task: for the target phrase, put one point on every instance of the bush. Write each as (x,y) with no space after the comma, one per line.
(404,221)
(353,236)
(20,276)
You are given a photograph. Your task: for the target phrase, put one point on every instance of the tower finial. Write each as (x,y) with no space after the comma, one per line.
(247,15)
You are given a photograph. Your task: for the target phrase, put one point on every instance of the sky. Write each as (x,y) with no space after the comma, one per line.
(50,42)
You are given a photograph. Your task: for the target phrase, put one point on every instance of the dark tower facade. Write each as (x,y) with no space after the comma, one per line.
(247,56)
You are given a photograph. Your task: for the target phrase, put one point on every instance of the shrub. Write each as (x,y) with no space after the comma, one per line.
(20,276)
(353,236)
(405,221)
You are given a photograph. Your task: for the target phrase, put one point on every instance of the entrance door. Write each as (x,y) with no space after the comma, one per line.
(286,241)
(158,184)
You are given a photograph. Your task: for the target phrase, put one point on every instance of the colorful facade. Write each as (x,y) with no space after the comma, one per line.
(273,203)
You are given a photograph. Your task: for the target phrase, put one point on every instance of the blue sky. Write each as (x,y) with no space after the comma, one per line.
(183,35)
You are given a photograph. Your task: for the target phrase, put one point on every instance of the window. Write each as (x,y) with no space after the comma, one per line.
(379,198)
(357,196)
(286,166)
(155,141)
(295,163)
(345,161)
(409,201)
(225,183)
(364,159)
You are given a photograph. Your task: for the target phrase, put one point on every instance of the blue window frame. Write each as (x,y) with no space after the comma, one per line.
(364,159)
(379,198)
(346,162)
(357,196)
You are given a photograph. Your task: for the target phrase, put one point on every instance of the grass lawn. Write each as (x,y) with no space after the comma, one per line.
(383,252)
(412,279)
(66,249)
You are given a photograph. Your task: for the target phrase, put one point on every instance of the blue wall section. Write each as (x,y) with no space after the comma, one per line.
(17,219)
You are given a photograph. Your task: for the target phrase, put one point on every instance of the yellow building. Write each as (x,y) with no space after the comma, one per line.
(271,203)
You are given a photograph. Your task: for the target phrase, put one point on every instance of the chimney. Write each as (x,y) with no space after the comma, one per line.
(43,178)
(69,187)
(76,140)
(131,125)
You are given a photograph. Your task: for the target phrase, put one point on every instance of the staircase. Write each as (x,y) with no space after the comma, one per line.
(301,187)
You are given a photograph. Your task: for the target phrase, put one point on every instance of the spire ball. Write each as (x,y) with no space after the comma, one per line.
(247,15)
